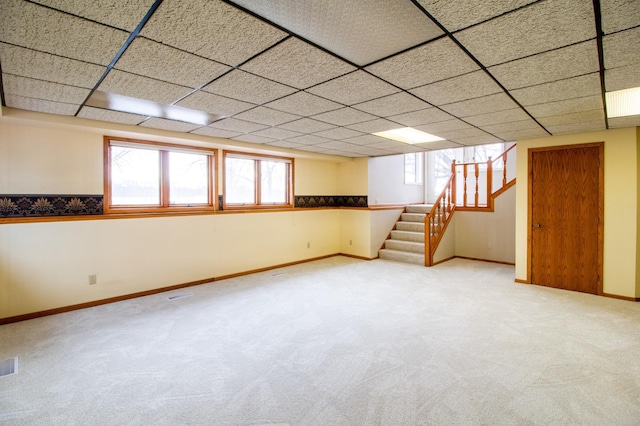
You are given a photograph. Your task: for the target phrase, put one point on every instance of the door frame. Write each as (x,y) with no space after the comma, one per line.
(600,146)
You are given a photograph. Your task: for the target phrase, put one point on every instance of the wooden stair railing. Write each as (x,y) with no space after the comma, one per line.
(437,220)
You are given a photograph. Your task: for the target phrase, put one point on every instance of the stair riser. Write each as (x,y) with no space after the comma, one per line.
(413,217)
(410,226)
(418,209)
(408,236)
(404,246)
(396,256)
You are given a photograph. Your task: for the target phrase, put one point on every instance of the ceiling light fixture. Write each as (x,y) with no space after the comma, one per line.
(409,135)
(131,105)
(622,103)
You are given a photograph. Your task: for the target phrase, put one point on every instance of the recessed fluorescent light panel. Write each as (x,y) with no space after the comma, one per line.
(131,105)
(622,103)
(409,135)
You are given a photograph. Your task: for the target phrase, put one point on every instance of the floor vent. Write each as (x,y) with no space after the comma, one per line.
(9,367)
(179,296)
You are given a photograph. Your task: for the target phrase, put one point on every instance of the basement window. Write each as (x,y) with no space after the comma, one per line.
(144,176)
(257,181)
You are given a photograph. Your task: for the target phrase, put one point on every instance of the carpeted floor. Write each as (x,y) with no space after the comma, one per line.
(333,342)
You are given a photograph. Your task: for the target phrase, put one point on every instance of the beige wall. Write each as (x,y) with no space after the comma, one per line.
(620,205)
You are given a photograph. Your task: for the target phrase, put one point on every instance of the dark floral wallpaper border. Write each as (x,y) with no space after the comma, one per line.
(49,205)
(331,201)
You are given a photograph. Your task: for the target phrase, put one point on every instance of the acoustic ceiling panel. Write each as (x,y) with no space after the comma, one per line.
(111,116)
(248,87)
(498,117)
(622,78)
(235,37)
(338,133)
(367,139)
(135,86)
(399,103)
(162,62)
(277,133)
(478,140)
(435,61)
(214,104)
(483,105)
(574,87)
(571,61)
(38,89)
(468,86)
(619,15)
(43,66)
(40,105)
(443,126)
(344,117)
(253,139)
(40,28)
(307,125)
(537,28)
(120,14)
(513,126)
(309,140)
(353,88)
(423,116)
(514,135)
(575,117)
(618,122)
(235,125)
(373,126)
(621,49)
(303,103)
(267,116)
(586,103)
(464,133)
(577,127)
(216,133)
(163,124)
(370,152)
(339,145)
(439,145)
(463,13)
(361,31)
(298,64)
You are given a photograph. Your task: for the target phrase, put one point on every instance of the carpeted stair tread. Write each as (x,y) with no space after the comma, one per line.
(413,217)
(408,236)
(402,256)
(419,208)
(410,246)
(410,226)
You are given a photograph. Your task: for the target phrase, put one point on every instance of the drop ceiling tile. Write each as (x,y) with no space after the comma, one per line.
(303,103)
(550,66)
(336,152)
(267,116)
(381,28)
(462,13)
(38,89)
(365,140)
(468,86)
(366,151)
(464,133)
(619,15)
(483,105)
(162,62)
(110,116)
(40,28)
(308,148)
(40,105)
(235,125)
(214,104)
(253,139)
(432,146)
(521,134)
(309,140)
(338,133)
(568,106)
(426,64)
(507,116)
(124,15)
(443,126)
(528,124)
(298,64)
(621,78)
(43,66)
(277,133)
(306,125)
(587,126)
(216,133)
(478,140)
(621,49)
(537,28)
(164,124)
(619,122)
(574,87)
(353,88)
(212,29)
(395,104)
(423,116)
(248,87)
(389,145)
(123,83)
(576,117)
(339,145)
(344,117)
(377,125)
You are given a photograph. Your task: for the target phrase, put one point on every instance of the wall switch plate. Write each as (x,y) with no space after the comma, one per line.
(93,279)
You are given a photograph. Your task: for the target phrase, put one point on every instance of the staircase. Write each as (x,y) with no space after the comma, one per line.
(407,238)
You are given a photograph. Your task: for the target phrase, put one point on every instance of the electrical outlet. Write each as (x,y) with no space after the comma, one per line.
(93,279)
(488,245)
(350,242)
(308,245)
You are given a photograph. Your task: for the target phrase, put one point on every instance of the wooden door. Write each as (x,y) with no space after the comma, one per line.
(566,226)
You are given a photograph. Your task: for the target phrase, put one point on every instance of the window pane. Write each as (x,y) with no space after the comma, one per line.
(273,182)
(135,176)
(410,168)
(188,174)
(240,181)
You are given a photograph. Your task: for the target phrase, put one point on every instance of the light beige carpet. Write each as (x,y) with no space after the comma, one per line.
(333,342)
